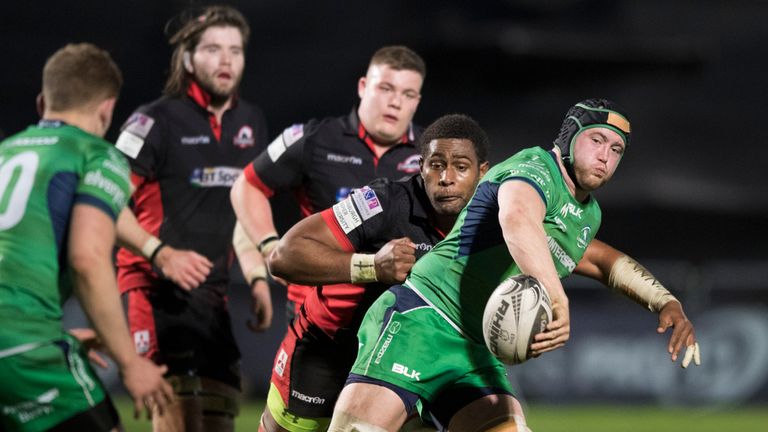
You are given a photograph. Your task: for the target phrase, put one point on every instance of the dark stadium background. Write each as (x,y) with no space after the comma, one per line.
(688,199)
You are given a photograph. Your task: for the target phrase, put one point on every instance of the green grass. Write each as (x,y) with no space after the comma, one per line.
(569,418)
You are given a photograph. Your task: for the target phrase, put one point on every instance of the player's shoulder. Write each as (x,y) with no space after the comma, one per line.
(391,189)
(396,195)
(308,132)
(160,106)
(530,160)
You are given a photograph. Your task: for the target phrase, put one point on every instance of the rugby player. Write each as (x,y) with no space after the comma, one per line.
(63,188)
(421,342)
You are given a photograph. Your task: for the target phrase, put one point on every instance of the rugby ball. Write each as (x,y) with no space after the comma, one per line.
(517,310)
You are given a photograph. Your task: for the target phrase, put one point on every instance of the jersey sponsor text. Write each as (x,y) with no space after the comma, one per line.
(97,179)
(354,160)
(560,254)
(347,215)
(221,176)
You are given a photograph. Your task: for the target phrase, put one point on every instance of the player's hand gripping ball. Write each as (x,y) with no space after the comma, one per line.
(517,310)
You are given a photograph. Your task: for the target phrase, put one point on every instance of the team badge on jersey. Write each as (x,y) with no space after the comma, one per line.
(280,363)
(284,140)
(135,130)
(367,202)
(583,239)
(244,137)
(410,165)
(141,340)
(139,124)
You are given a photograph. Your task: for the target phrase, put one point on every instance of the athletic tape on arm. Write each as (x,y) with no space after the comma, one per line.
(635,281)
(362,268)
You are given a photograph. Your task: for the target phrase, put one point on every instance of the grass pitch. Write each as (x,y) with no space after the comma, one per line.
(568,418)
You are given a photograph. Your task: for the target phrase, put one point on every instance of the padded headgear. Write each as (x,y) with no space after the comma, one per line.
(588,114)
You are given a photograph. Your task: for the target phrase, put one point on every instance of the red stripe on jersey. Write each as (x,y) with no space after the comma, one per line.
(333,306)
(442,234)
(330,219)
(363,134)
(255,181)
(297,293)
(133,270)
(141,321)
(202,98)
(305,204)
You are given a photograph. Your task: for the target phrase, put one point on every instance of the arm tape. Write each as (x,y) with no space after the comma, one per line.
(362,268)
(630,278)
(267,244)
(151,247)
(257,273)
(240,240)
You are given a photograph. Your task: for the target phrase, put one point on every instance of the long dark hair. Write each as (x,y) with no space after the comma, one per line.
(190,26)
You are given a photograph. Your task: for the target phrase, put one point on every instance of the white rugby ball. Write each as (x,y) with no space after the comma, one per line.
(517,310)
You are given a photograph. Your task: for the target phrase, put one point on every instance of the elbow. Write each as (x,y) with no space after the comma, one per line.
(277,263)
(86,260)
(235,193)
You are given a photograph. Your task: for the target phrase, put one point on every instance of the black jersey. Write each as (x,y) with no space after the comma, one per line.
(321,161)
(364,222)
(183,165)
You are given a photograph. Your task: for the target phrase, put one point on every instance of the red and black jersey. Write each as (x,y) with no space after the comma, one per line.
(364,222)
(321,161)
(183,165)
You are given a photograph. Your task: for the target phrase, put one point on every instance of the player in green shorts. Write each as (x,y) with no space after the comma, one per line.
(533,213)
(61,189)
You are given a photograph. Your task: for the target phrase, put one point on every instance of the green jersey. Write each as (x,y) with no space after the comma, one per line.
(458,275)
(44,171)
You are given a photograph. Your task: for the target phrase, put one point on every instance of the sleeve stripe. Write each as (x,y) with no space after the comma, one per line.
(96,202)
(333,224)
(137,180)
(255,181)
(532,183)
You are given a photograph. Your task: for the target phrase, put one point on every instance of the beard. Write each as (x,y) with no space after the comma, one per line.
(219,94)
(586,181)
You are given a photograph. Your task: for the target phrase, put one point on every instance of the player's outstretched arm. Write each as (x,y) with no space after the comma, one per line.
(521,215)
(91,239)
(623,274)
(255,274)
(310,254)
(186,268)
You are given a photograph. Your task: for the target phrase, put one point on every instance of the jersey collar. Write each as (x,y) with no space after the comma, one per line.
(353,126)
(201,97)
(51,123)
(421,206)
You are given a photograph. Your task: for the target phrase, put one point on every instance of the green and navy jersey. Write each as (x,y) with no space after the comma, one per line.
(44,171)
(459,274)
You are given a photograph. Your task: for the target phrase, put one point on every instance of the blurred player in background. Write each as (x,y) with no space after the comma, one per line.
(321,161)
(61,189)
(533,213)
(372,238)
(185,150)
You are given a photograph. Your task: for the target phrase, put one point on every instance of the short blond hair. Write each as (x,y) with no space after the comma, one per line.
(78,75)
